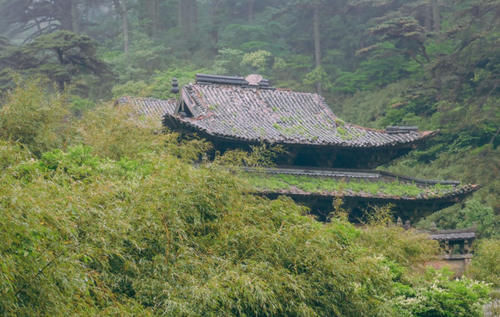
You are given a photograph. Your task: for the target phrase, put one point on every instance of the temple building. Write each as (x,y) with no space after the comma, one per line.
(325,158)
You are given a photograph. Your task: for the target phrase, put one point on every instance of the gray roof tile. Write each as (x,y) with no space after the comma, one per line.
(279,116)
(254,114)
(453,234)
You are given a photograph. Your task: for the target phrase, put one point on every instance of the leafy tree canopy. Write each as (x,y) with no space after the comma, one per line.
(62,56)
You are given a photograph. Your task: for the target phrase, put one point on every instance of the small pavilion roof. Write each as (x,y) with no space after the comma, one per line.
(452,235)
(233,108)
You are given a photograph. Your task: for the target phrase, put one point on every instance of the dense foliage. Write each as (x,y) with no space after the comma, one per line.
(122,223)
(486,265)
(101,214)
(430,63)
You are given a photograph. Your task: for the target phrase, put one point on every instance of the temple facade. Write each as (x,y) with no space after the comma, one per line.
(324,157)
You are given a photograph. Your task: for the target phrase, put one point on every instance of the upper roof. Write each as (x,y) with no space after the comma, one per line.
(252,111)
(230,107)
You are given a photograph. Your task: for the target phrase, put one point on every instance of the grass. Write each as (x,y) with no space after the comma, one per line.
(327,184)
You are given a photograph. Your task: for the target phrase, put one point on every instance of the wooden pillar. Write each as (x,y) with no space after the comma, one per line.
(467,247)
(447,247)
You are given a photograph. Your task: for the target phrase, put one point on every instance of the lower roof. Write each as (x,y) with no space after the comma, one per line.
(353,183)
(359,190)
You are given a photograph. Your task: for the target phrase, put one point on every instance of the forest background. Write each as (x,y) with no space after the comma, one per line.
(430,63)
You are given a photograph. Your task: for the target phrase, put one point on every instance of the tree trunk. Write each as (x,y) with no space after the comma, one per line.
(125,27)
(436,16)
(216,21)
(86,12)
(65,14)
(75,18)
(150,17)
(251,11)
(156,18)
(428,16)
(317,42)
(121,8)
(188,16)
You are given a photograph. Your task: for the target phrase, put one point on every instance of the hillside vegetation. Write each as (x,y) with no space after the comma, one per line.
(109,217)
(102,215)
(430,63)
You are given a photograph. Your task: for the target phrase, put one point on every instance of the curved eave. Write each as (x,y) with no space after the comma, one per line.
(454,196)
(189,124)
(365,174)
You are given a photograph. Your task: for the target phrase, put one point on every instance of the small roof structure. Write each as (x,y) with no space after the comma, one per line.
(453,235)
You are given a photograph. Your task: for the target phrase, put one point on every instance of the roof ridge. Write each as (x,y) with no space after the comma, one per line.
(251,81)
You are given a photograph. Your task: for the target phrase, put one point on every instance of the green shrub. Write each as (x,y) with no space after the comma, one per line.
(485,265)
(39,120)
(437,295)
(181,239)
(406,247)
(12,154)
(481,217)
(117,132)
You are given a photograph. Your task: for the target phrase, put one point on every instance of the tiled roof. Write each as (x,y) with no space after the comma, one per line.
(453,234)
(255,113)
(150,107)
(228,107)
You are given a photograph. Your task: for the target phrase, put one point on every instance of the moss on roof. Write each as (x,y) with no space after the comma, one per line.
(281,116)
(337,186)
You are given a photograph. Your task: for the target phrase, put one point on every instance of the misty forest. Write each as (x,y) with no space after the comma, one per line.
(107,210)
